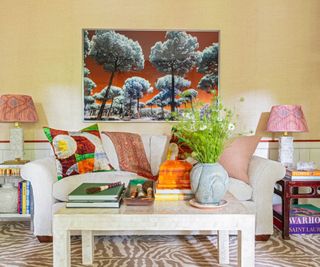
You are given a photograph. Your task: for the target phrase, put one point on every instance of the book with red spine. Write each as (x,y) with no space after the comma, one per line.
(19,198)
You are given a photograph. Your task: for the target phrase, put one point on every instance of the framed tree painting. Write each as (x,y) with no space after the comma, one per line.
(146,76)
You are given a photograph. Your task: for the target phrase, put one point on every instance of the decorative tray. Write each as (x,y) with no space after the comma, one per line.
(133,195)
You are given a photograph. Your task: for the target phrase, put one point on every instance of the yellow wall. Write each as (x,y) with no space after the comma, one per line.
(270,53)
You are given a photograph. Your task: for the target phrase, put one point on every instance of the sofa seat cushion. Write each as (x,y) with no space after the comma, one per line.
(239,189)
(62,188)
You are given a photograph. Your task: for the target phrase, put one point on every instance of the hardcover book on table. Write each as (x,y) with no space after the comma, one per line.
(111,194)
(304,219)
(303,175)
(294,172)
(93,204)
(304,178)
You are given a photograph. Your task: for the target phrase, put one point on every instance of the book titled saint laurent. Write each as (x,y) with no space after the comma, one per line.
(304,219)
(111,194)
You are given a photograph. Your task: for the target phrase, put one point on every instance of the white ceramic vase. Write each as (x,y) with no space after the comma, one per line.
(9,198)
(209,182)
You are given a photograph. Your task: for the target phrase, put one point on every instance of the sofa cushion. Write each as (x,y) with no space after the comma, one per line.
(131,153)
(236,156)
(77,152)
(63,187)
(155,147)
(239,189)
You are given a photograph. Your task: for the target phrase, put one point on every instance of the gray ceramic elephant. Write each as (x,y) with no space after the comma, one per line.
(209,182)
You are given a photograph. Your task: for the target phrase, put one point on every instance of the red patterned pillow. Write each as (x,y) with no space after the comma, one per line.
(130,152)
(77,152)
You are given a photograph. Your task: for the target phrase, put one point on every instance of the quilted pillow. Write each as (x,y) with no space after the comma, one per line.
(77,151)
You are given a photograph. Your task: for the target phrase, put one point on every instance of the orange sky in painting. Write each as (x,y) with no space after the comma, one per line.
(147,39)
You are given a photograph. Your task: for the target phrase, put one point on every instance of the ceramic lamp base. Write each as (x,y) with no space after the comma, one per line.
(16,142)
(286,150)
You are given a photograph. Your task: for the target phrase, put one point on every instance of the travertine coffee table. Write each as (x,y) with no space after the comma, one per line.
(163,217)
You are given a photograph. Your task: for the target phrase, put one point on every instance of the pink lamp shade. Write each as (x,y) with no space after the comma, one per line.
(17,108)
(287,118)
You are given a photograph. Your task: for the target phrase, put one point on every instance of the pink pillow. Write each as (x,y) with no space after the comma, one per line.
(237,155)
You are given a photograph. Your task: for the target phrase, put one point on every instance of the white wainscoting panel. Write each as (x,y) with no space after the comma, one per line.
(303,151)
(32,151)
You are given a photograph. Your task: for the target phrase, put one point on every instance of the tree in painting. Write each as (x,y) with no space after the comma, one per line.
(161,104)
(176,56)
(189,95)
(207,64)
(116,53)
(86,43)
(118,104)
(134,89)
(114,91)
(164,85)
(88,84)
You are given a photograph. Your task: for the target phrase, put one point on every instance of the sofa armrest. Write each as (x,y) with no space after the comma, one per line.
(42,174)
(263,174)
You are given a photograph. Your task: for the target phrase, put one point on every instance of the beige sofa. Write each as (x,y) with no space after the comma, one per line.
(49,194)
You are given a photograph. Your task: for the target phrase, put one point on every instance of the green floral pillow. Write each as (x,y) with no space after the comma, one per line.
(77,152)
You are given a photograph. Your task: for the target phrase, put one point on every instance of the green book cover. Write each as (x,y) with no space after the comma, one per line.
(80,193)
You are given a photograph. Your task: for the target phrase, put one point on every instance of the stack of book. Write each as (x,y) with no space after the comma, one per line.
(174,174)
(303,175)
(304,219)
(173,194)
(24,196)
(110,198)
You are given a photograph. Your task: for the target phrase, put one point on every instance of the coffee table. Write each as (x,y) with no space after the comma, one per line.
(163,217)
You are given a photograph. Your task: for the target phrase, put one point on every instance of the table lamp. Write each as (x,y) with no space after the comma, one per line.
(17,108)
(286,118)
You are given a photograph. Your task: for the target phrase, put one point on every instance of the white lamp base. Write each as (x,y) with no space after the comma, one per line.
(286,150)
(16,142)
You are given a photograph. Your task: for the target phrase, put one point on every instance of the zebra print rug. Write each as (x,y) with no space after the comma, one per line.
(18,247)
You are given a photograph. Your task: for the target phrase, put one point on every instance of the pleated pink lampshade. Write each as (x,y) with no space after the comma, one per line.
(17,108)
(287,118)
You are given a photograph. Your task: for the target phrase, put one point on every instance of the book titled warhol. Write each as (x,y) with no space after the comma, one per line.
(304,219)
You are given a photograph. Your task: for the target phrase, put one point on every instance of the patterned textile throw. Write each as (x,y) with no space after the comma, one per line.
(77,152)
(131,154)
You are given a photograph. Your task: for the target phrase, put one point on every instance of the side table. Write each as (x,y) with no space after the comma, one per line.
(290,190)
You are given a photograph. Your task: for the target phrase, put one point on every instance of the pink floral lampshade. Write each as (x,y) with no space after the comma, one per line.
(17,108)
(287,118)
